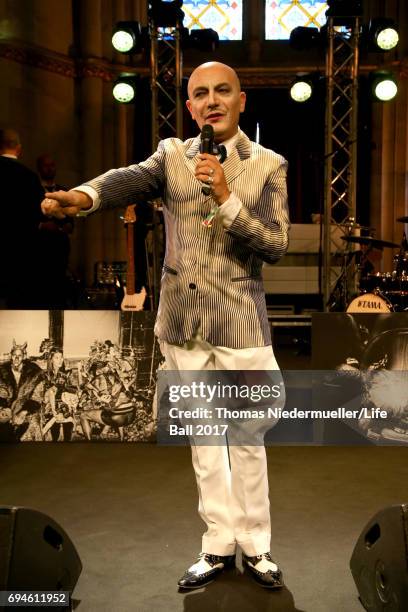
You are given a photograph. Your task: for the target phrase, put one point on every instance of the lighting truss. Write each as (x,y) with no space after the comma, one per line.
(166,76)
(340,146)
(166,65)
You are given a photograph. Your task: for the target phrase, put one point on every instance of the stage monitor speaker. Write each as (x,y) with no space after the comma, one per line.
(35,553)
(379,562)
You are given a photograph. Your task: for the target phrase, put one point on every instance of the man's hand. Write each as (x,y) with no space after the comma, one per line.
(209,170)
(61,204)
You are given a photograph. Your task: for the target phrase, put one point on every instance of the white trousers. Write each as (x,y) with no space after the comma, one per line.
(233,501)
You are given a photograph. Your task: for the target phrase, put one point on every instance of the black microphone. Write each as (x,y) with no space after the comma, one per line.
(207,146)
(207,139)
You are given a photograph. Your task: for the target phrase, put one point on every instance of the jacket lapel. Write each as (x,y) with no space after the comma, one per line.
(233,165)
(192,151)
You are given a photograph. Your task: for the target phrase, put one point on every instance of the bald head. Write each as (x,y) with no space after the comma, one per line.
(10,141)
(215,97)
(201,71)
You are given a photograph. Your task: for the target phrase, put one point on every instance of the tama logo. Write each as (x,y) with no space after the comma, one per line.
(366,304)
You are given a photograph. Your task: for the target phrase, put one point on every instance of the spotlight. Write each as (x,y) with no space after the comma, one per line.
(302,38)
(204,40)
(301,90)
(166,13)
(383,34)
(384,86)
(126,37)
(124,90)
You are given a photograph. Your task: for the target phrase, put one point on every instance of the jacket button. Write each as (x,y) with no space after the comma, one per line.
(192,286)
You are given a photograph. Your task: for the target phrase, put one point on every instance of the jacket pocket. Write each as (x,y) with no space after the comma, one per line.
(244,278)
(166,268)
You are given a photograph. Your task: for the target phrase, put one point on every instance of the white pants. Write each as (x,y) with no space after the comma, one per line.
(234,503)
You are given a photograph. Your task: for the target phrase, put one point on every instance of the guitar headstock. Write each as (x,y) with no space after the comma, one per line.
(130,214)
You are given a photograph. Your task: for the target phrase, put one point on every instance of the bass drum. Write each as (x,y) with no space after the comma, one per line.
(370,302)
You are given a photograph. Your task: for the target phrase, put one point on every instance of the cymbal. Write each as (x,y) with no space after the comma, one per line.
(403,219)
(371,241)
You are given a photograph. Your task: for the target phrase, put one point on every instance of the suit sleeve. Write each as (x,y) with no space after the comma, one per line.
(264,228)
(122,186)
(35,195)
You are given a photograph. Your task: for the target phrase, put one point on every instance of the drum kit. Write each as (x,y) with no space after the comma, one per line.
(377,292)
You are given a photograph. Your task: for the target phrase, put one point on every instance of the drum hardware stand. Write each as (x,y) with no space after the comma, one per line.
(348,280)
(399,259)
(340,295)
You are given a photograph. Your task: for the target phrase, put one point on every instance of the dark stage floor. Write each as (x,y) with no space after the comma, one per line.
(131,512)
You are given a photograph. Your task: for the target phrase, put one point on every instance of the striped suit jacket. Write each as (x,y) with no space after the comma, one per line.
(211,276)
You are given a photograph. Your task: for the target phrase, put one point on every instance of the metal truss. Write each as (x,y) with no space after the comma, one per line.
(166,64)
(166,74)
(340,154)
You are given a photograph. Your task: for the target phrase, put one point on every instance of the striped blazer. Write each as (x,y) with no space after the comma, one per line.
(211,276)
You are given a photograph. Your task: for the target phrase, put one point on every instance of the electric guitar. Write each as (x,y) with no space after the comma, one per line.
(132,301)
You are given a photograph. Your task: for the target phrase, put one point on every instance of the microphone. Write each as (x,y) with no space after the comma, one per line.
(207,139)
(207,146)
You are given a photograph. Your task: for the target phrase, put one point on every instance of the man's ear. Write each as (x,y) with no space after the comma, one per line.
(242,97)
(19,150)
(190,108)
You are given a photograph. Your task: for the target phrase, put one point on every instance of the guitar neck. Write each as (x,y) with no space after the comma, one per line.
(130,273)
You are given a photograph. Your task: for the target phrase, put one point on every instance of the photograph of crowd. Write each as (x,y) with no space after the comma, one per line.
(77,376)
(366,356)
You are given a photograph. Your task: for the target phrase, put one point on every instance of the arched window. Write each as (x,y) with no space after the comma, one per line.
(223,16)
(281,16)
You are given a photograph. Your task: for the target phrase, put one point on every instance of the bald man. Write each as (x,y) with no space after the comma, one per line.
(212,312)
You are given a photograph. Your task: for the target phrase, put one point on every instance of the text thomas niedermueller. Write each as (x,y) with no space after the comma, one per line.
(277,413)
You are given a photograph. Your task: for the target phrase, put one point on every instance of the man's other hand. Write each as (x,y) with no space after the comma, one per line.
(61,204)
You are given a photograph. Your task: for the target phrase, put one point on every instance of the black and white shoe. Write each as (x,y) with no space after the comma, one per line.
(205,570)
(264,570)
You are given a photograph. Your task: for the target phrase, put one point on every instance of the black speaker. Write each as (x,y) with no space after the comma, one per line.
(35,553)
(379,562)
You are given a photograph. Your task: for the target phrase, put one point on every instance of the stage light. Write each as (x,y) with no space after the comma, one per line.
(384,86)
(387,39)
(126,37)
(302,38)
(204,40)
(124,90)
(166,13)
(301,90)
(384,34)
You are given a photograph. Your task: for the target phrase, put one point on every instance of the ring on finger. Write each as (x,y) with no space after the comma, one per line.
(211,171)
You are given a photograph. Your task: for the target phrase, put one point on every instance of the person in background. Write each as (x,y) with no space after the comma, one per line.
(20,197)
(19,380)
(60,398)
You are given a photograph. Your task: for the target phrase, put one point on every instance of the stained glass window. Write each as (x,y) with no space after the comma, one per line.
(281,16)
(223,16)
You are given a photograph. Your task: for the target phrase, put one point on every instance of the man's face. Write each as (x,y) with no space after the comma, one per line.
(17,357)
(57,360)
(215,98)
(47,168)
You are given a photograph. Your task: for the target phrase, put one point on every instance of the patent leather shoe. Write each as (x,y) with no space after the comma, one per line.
(264,570)
(205,570)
